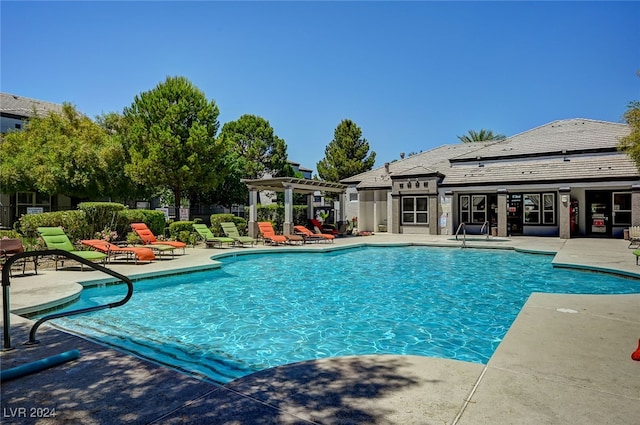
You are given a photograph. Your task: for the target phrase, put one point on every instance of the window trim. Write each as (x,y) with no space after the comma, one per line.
(614,211)
(415,211)
(541,210)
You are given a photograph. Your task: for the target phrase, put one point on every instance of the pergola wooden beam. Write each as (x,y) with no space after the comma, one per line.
(288,185)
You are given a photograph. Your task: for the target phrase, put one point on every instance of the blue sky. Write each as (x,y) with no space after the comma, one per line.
(412,75)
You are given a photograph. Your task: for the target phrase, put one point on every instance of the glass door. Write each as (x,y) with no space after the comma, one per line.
(514,214)
(598,213)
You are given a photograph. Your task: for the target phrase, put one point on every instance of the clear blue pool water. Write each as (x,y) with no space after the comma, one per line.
(264,310)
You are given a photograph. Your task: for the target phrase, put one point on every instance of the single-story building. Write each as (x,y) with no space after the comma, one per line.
(566,178)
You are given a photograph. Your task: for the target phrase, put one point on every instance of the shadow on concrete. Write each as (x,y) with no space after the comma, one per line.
(103,386)
(344,390)
(106,386)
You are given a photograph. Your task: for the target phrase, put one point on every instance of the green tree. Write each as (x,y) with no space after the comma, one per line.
(346,155)
(480,136)
(257,149)
(114,124)
(65,153)
(230,191)
(631,143)
(170,132)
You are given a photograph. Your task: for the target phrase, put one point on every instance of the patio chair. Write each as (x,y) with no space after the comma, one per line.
(12,246)
(268,234)
(55,238)
(267,230)
(148,238)
(208,237)
(114,251)
(323,228)
(231,231)
(634,236)
(310,236)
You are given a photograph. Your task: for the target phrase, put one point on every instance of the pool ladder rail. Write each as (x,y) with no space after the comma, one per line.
(463,227)
(58,252)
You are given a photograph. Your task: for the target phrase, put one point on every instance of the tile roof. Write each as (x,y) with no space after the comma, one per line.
(25,107)
(536,154)
(432,161)
(573,135)
(606,166)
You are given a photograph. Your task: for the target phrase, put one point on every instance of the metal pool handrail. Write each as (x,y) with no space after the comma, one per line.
(6,268)
(462,226)
(488,227)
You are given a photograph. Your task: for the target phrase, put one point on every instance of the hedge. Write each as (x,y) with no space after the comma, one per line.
(154,220)
(74,223)
(216,219)
(275,214)
(182,231)
(101,215)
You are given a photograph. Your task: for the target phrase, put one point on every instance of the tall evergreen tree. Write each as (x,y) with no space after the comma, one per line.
(258,149)
(346,155)
(171,139)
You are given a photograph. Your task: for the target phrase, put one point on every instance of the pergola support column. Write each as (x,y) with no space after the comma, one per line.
(253,212)
(287,227)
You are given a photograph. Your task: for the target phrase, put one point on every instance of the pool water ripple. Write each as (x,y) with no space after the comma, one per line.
(260,311)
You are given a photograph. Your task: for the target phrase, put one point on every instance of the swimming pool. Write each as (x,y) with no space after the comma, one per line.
(264,310)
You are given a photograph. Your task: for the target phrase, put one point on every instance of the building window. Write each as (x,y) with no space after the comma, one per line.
(464,209)
(18,126)
(531,208)
(622,208)
(353,197)
(479,208)
(32,202)
(317,198)
(415,210)
(539,208)
(549,205)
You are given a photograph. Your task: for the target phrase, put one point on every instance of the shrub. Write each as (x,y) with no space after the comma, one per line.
(181,230)
(9,234)
(74,223)
(275,214)
(101,215)
(154,220)
(241,224)
(216,219)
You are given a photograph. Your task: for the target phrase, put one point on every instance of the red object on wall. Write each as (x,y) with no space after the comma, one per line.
(636,354)
(598,222)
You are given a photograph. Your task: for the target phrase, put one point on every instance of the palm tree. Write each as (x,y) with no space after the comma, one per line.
(480,136)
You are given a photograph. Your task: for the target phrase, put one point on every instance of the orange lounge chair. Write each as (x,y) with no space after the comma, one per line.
(310,236)
(148,238)
(269,234)
(139,253)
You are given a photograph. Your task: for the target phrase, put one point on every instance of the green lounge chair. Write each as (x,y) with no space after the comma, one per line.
(231,231)
(55,238)
(212,241)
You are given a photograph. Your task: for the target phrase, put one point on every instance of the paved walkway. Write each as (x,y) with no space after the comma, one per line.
(565,359)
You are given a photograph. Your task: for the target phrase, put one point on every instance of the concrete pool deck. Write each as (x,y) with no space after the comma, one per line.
(565,359)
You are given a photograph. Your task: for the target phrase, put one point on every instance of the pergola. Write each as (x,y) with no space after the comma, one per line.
(289,185)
